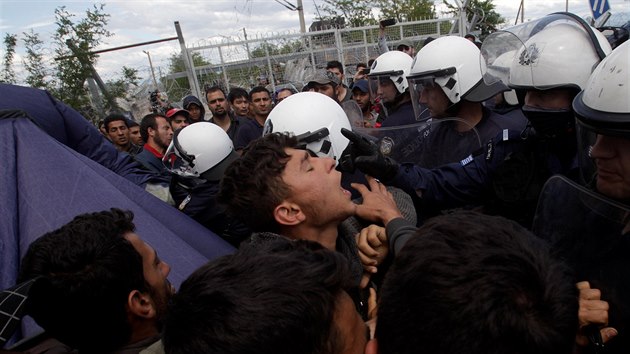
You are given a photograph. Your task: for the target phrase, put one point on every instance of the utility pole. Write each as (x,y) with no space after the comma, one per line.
(152,71)
(300,10)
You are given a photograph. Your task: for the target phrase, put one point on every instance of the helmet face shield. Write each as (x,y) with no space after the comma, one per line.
(385,87)
(558,50)
(178,162)
(426,88)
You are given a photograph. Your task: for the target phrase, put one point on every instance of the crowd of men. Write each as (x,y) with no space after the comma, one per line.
(406,212)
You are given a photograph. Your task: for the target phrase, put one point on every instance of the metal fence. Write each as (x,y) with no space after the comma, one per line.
(289,59)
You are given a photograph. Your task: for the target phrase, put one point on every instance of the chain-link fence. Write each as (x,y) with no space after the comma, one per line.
(289,59)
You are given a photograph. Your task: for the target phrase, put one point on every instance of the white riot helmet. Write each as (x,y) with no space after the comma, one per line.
(454,64)
(603,108)
(393,65)
(558,50)
(201,150)
(315,119)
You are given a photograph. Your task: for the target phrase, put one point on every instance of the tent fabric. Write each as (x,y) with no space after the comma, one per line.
(70,128)
(46,184)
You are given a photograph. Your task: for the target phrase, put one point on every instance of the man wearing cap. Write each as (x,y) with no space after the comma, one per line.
(194,106)
(361,95)
(178,118)
(325,82)
(218,105)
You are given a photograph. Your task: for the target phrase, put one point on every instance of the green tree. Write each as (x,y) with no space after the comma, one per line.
(120,87)
(8,75)
(406,10)
(487,19)
(73,42)
(34,61)
(176,66)
(356,12)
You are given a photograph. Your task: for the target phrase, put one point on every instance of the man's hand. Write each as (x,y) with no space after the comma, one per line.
(378,203)
(592,311)
(373,247)
(365,155)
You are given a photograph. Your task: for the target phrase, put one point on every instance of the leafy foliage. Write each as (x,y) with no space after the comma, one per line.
(406,10)
(73,41)
(356,12)
(34,61)
(8,75)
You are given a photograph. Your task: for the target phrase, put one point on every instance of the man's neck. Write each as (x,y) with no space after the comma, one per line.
(260,119)
(223,121)
(324,235)
(471,113)
(341,93)
(155,147)
(124,148)
(141,330)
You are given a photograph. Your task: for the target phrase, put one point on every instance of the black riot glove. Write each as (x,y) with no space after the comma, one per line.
(365,155)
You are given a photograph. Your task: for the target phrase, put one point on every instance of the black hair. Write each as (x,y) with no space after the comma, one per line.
(252,185)
(87,269)
(472,283)
(132,123)
(112,117)
(257,89)
(237,92)
(278,297)
(335,64)
(149,121)
(214,88)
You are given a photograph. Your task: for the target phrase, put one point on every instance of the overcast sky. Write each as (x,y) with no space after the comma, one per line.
(134,21)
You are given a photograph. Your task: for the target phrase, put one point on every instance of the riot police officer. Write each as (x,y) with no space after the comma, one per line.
(552,59)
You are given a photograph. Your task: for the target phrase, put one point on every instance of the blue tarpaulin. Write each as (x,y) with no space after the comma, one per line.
(57,165)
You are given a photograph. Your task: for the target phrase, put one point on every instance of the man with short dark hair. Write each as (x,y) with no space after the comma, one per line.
(283,93)
(259,110)
(218,105)
(239,101)
(288,297)
(343,93)
(134,133)
(116,125)
(361,73)
(101,288)
(470,283)
(279,187)
(157,133)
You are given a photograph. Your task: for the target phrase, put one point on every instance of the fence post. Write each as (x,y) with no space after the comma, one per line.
(188,62)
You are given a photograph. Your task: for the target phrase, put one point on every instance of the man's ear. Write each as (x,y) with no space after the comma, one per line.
(150,131)
(371,347)
(288,213)
(141,304)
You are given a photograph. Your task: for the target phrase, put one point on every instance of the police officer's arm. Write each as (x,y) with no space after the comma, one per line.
(461,183)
